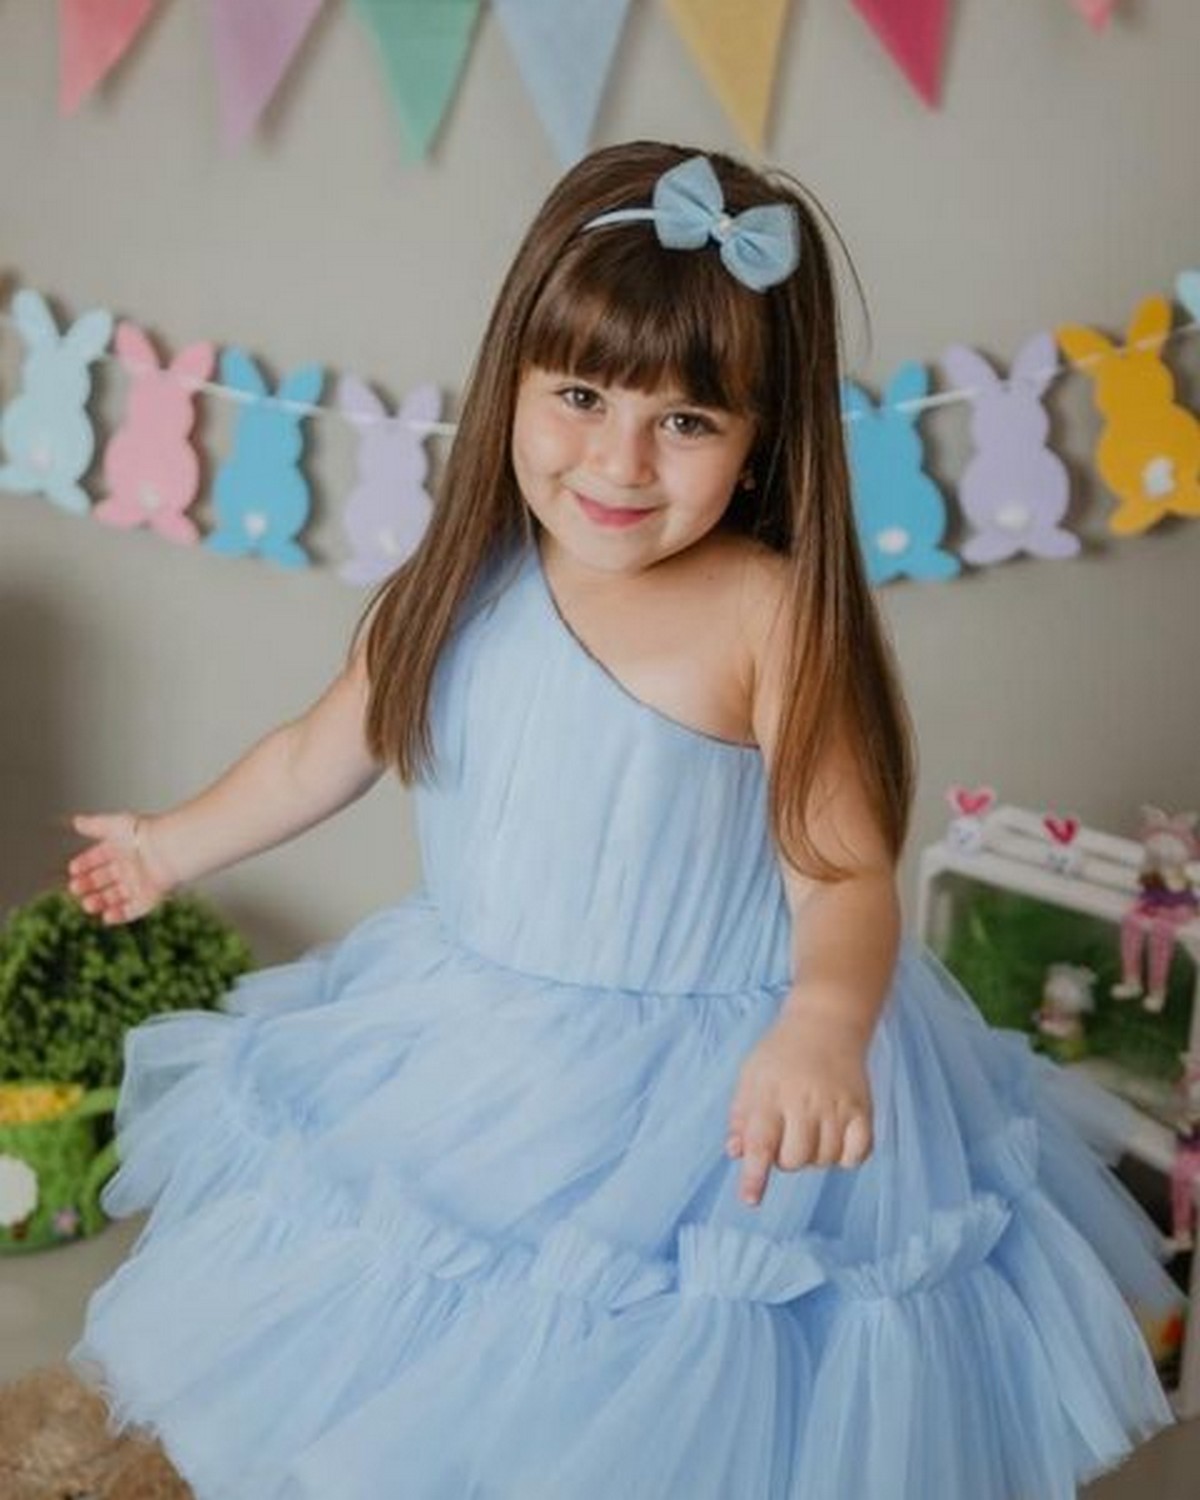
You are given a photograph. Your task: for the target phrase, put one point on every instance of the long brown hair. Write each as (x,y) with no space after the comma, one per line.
(613,305)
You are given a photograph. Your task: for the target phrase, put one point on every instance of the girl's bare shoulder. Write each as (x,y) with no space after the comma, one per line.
(762,584)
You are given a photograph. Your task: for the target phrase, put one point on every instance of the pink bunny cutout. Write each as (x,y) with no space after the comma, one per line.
(1014,491)
(150,467)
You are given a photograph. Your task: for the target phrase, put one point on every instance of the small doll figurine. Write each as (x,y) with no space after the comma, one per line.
(1066,996)
(1185,1169)
(1167,902)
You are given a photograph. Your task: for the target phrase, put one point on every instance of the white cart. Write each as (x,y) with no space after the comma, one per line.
(1015,857)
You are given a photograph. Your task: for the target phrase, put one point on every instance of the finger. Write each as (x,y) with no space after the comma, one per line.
(98,879)
(733,1143)
(762,1146)
(107,888)
(801,1137)
(756,1168)
(90,859)
(93,825)
(829,1143)
(110,901)
(858,1142)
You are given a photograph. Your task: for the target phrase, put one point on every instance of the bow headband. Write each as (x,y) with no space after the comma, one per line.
(760,246)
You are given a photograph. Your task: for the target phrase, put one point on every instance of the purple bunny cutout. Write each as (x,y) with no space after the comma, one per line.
(389,508)
(1014,491)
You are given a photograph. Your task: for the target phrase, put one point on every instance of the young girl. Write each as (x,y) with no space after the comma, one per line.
(636,1154)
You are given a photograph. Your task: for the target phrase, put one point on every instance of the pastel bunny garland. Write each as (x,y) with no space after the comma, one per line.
(1014,493)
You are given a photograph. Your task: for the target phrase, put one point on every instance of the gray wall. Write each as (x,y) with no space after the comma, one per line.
(1059,182)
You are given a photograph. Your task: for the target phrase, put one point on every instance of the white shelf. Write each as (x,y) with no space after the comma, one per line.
(1015,856)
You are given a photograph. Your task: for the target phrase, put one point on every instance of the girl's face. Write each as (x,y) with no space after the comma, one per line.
(619,478)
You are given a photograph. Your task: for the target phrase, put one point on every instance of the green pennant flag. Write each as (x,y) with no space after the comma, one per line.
(424,45)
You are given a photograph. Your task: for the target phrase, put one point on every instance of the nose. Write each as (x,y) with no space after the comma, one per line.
(623,452)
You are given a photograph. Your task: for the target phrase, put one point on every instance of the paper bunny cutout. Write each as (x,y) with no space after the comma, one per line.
(150,467)
(1014,491)
(900,512)
(389,508)
(1187,289)
(261,499)
(1149,451)
(45,430)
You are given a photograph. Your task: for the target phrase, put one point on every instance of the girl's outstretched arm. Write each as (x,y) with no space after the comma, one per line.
(803,1096)
(294,777)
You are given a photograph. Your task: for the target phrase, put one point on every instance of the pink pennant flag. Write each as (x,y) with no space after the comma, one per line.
(254,46)
(914,32)
(93,37)
(1097,13)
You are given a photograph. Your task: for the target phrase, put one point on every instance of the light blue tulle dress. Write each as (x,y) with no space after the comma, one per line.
(442,1211)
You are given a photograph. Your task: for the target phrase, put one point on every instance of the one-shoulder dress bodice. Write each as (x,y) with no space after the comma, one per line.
(573,831)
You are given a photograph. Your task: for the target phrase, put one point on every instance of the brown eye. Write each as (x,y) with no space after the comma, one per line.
(690,424)
(579,397)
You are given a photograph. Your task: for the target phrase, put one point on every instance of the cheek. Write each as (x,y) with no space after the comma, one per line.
(539,446)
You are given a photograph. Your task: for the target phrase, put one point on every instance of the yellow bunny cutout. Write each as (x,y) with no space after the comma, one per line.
(1149,451)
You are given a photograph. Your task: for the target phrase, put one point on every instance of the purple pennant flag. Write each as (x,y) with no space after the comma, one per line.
(254,45)
(565,53)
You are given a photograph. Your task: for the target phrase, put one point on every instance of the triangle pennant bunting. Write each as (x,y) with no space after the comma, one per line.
(93,37)
(424,45)
(736,48)
(254,46)
(914,33)
(565,54)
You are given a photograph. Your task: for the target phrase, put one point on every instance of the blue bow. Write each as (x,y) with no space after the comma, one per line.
(760,246)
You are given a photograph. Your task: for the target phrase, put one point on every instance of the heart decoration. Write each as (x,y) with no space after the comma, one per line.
(1061,830)
(970,802)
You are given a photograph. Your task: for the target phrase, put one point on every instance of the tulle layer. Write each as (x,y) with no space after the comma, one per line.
(423,1226)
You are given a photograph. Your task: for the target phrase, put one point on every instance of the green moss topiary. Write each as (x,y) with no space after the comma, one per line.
(71,986)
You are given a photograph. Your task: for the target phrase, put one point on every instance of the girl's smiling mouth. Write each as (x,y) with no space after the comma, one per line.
(609,515)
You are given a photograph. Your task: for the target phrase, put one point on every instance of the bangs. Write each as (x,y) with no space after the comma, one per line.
(626,311)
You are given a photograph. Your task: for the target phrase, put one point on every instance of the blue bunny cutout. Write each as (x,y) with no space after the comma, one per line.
(760,246)
(46,431)
(260,497)
(899,511)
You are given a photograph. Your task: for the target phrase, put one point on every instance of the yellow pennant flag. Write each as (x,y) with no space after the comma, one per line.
(736,48)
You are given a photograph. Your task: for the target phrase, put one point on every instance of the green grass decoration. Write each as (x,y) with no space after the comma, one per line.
(1001,944)
(71,986)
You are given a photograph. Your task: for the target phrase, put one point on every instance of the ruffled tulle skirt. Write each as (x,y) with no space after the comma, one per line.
(424,1227)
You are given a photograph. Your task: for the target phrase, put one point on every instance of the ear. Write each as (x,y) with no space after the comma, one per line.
(909,383)
(136,351)
(195,362)
(422,405)
(855,401)
(34,318)
(1082,345)
(357,399)
(1036,364)
(968,369)
(303,384)
(89,335)
(239,371)
(1151,321)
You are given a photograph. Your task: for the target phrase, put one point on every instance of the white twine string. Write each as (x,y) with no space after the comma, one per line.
(448,429)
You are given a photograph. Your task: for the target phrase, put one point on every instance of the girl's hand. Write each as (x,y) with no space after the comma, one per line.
(803,1099)
(121,877)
